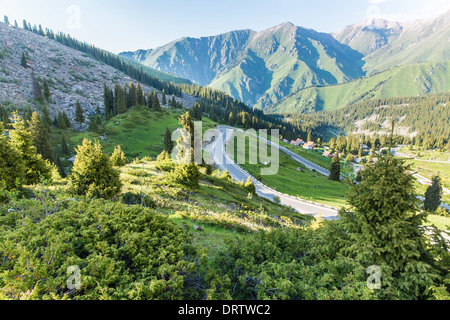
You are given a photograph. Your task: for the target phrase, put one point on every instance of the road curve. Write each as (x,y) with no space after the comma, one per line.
(225,163)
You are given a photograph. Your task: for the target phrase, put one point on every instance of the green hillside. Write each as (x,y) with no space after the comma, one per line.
(404,81)
(258,68)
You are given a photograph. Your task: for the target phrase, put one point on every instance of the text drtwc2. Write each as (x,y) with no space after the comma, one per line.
(226,310)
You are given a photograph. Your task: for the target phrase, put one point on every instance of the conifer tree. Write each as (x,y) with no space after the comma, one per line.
(121,103)
(12,167)
(186,170)
(382,227)
(35,165)
(93,127)
(140,95)
(79,114)
(23,61)
(164,98)
(46,121)
(156,104)
(47,94)
(40,137)
(433,195)
(37,92)
(64,146)
(335,171)
(66,119)
(150,100)
(168,143)
(132,96)
(93,174)
(60,122)
(118,158)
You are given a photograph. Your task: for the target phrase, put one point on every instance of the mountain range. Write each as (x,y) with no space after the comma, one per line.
(287,68)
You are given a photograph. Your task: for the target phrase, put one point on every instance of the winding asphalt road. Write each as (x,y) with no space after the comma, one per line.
(225,163)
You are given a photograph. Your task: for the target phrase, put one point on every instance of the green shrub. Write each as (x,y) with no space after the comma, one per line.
(164,162)
(93,173)
(122,252)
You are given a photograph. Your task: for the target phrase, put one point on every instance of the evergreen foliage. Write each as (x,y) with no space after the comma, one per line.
(93,174)
(12,167)
(118,158)
(36,166)
(433,195)
(383,227)
(335,171)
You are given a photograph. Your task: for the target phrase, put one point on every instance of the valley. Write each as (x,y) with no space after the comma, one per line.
(99,170)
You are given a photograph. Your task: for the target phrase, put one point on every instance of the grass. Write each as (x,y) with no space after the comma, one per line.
(316,157)
(440,222)
(306,184)
(140,132)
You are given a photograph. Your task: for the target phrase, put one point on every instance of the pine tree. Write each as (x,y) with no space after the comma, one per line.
(35,165)
(12,167)
(79,114)
(93,174)
(433,195)
(6,20)
(47,94)
(335,171)
(168,143)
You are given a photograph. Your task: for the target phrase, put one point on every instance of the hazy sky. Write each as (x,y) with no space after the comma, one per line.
(137,24)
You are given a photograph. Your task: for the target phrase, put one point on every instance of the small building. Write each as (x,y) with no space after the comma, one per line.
(294,143)
(300,142)
(309,146)
(328,154)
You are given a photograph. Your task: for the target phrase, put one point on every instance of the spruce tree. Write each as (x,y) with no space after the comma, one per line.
(382,227)
(433,195)
(79,114)
(335,171)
